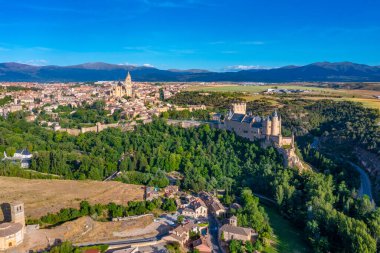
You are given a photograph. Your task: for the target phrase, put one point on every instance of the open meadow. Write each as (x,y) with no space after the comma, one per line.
(41,196)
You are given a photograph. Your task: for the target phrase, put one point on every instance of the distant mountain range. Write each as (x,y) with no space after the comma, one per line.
(321,71)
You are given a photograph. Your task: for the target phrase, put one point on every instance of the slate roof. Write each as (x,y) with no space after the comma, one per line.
(23,152)
(237,117)
(257,125)
(248,119)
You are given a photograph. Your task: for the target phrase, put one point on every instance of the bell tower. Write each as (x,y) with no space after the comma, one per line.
(17,213)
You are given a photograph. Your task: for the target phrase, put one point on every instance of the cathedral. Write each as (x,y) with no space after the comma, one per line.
(255,127)
(123,88)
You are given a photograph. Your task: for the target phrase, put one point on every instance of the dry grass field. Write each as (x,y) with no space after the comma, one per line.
(251,93)
(43,196)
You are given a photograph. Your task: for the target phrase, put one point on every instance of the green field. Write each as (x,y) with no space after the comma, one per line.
(287,237)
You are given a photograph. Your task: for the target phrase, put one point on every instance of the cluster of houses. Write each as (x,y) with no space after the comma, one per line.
(194,234)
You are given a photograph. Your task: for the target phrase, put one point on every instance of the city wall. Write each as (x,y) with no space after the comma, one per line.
(97,128)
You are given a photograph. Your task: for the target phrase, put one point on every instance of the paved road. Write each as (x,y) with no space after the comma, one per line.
(112,176)
(365,183)
(213,230)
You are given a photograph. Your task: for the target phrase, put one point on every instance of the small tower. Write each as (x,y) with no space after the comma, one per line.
(233,221)
(240,108)
(275,124)
(17,213)
(293,145)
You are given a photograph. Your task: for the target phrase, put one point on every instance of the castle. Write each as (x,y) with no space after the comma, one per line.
(123,88)
(266,129)
(256,127)
(12,230)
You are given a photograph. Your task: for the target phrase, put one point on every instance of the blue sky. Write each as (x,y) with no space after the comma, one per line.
(212,34)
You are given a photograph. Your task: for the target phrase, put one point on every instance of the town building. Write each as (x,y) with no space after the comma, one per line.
(196,209)
(181,234)
(151,193)
(12,230)
(203,244)
(214,206)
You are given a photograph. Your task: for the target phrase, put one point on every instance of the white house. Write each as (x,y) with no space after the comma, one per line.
(22,155)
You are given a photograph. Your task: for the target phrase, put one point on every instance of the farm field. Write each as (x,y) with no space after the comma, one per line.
(251,93)
(41,196)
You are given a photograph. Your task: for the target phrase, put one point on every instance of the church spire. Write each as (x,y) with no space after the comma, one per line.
(128,79)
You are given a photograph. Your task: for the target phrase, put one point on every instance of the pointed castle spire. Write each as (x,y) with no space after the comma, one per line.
(275,114)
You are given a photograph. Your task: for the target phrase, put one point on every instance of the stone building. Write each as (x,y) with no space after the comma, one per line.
(231,231)
(12,229)
(255,127)
(123,88)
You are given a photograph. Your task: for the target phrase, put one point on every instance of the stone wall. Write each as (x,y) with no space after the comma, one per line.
(97,128)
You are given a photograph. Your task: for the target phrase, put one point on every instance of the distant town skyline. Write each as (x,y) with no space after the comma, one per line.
(215,34)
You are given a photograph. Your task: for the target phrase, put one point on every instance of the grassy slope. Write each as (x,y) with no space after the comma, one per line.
(288,238)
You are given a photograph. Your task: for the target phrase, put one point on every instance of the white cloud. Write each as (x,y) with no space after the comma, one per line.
(148,65)
(244,67)
(36,62)
(256,43)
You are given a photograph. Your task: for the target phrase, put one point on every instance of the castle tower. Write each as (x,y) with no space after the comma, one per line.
(240,108)
(233,221)
(17,213)
(267,126)
(275,124)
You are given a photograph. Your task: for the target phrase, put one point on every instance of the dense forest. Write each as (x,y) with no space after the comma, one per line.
(342,123)
(323,202)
